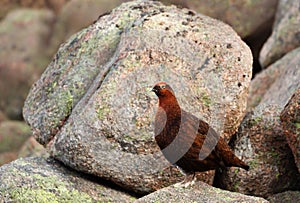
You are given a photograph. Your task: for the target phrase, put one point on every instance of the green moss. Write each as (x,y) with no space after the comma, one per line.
(69,102)
(48,189)
(236,186)
(102,111)
(255,121)
(253,163)
(297,126)
(206,100)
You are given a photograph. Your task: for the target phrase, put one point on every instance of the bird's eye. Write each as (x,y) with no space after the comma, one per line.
(162,86)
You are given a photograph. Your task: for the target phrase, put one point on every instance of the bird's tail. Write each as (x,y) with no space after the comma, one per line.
(239,163)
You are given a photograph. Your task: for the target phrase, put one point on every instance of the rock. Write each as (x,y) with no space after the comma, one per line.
(235,13)
(77,14)
(276,83)
(45,180)
(12,136)
(32,148)
(287,197)
(290,118)
(261,140)
(24,36)
(8,5)
(286,33)
(262,145)
(93,107)
(200,192)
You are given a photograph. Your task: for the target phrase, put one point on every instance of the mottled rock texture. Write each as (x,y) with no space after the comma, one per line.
(93,108)
(287,197)
(45,180)
(261,139)
(200,192)
(286,33)
(276,83)
(290,118)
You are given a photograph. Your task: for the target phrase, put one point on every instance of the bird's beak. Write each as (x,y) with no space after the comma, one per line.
(154,89)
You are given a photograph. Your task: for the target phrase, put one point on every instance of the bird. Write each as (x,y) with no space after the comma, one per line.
(187,141)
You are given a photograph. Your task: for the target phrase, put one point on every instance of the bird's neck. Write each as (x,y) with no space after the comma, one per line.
(170,105)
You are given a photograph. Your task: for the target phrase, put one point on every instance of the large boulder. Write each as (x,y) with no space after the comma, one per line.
(285,35)
(45,180)
(276,83)
(93,108)
(246,17)
(261,139)
(200,192)
(24,37)
(290,118)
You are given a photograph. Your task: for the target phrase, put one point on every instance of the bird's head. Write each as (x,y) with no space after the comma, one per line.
(162,89)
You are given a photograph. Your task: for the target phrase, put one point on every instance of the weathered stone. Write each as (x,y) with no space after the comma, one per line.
(245,17)
(287,197)
(200,192)
(45,180)
(262,145)
(24,36)
(93,108)
(286,33)
(290,118)
(276,83)
(261,140)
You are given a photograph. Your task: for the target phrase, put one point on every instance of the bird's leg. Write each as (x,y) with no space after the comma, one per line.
(189,179)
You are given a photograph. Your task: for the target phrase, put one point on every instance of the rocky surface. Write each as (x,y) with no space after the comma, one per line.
(276,83)
(92,106)
(262,145)
(290,118)
(45,180)
(200,192)
(235,13)
(288,197)
(12,136)
(24,36)
(261,139)
(286,33)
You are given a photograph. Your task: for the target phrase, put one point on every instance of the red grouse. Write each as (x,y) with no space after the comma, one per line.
(186,141)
